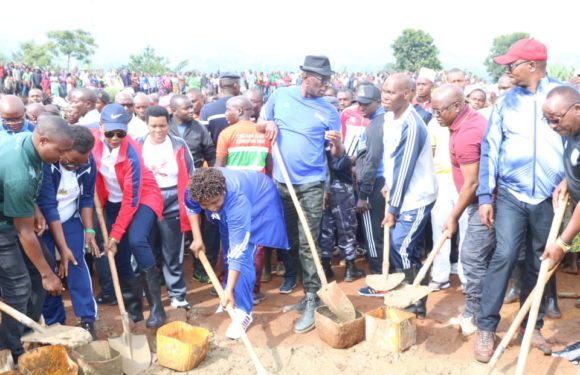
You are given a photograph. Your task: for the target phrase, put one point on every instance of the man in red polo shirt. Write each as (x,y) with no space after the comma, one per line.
(466,127)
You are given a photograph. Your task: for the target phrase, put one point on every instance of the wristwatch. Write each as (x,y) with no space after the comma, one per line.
(116,241)
(563,245)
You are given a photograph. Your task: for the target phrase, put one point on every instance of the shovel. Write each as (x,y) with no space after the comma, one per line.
(134,349)
(55,334)
(385,281)
(220,291)
(330,294)
(409,294)
(539,289)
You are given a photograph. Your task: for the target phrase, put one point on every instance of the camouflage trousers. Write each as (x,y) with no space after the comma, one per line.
(339,222)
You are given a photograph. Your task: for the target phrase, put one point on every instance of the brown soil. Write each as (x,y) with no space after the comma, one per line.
(440,348)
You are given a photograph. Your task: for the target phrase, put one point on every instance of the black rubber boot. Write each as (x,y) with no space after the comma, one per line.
(132,291)
(306,321)
(513,293)
(152,289)
(551,300)
(327,267)
(419,308)
(351,273)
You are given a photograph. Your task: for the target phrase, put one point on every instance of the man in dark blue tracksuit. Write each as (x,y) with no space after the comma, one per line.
(66,201)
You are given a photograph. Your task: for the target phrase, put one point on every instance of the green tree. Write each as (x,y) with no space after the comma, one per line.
(78,44)
(500,45)
(414,49)
(33,54)
(181,65)
(148,61)
(560,72)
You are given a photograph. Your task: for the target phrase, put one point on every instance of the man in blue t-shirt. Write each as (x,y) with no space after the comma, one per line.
(299,120)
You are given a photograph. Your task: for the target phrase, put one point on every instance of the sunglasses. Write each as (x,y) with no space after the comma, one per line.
(512,66)
(118,133)
(324,81)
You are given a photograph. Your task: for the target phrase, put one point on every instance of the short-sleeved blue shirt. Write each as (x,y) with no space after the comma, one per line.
(302,123)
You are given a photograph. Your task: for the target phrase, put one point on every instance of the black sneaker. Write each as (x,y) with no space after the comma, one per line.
(90,327)
(106,299)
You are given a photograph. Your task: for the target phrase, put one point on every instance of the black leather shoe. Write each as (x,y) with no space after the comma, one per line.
(90,327)
(106,299)
(551,300)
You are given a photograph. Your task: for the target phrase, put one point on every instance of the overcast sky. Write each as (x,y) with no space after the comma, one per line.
(236,35)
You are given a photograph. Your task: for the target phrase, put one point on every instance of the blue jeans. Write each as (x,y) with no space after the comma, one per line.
(135,241)
(515,222)
(15,286)
(406,236)
(476,252)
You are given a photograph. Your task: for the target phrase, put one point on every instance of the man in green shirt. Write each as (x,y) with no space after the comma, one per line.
(21,158)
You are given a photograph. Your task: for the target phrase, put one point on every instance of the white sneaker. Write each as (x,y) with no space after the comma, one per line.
(438,286)
(243,321)
(180,303)
(466,324)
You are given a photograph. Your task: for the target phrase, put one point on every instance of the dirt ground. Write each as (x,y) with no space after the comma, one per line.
(440,348)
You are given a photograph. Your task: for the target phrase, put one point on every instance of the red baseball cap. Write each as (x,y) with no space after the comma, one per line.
(524,49)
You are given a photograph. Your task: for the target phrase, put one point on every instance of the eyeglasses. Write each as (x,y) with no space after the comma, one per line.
(118,133)
(437,112)
(557,119)
(324,81)
(510,67)
(13,121)
(127,105)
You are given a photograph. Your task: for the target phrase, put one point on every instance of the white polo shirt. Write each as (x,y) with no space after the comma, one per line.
(108,172)
(67,194)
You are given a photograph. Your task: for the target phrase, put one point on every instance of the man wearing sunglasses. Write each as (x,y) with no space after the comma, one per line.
(520,166)
(298,119)
(132,202)
(562,112)
(12,111)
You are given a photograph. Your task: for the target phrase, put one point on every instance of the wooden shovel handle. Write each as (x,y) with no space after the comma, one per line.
(423,271)
(220,291)
(509,335)
(110,256)
(539,289)
(300,212)
(22,318)
(386,239)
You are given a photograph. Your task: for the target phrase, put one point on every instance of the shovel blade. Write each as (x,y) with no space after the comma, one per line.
(385,282)
(337,302)
(136,360)
(406,295)
(56,334)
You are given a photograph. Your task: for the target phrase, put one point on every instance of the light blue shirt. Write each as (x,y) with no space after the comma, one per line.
(519,151)
(302,123)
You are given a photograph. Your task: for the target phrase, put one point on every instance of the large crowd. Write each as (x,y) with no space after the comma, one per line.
(185,161)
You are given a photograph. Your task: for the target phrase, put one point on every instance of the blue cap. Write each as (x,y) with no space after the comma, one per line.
(114,117)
